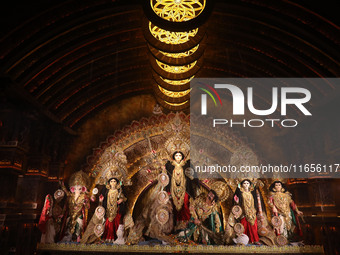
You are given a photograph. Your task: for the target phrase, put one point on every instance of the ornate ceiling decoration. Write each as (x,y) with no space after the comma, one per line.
(178,10)
(171,45)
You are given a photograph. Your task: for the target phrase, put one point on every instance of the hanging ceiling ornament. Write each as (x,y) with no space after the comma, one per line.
(176,48)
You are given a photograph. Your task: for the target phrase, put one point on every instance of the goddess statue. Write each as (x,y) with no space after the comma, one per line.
(183,183)
(113,200)
(78,203)
(245,196)
(180,187)
(283,207)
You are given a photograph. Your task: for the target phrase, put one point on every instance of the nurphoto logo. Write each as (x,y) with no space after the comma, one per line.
(282,100)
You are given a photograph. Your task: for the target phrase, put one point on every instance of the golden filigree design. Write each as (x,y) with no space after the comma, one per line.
(177,82)
(174,104)
(168,37)
(174,94)
(177,10)
(176,69)
(181,54)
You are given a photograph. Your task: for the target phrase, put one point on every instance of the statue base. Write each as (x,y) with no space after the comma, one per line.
(73,248)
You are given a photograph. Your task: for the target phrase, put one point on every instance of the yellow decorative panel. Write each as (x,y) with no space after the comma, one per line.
(181,54)
(174,94)
(168,37)
(179,104)
(178,10)
(177,82)
(176,69)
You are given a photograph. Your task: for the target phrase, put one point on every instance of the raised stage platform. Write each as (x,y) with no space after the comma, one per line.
(67,249)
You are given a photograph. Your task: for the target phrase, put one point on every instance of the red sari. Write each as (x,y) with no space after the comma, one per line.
(250,230)
(110,232)
(184,213)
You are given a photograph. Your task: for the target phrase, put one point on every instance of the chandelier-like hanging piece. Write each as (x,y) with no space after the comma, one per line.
(175,48)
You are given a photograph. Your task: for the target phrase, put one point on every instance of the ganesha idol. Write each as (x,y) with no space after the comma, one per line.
(74,221)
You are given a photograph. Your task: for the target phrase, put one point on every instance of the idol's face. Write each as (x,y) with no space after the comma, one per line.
(246,185)
(77,189)
(113,184)
(278,186)
(178,156)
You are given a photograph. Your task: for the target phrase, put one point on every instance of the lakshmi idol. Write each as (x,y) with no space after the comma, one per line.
(78,203)
(283,206)
(114,202)
(245,196)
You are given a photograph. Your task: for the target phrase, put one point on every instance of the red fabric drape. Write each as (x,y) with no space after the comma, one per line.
(184,213)
(44,217)
(250,230)
(111,228)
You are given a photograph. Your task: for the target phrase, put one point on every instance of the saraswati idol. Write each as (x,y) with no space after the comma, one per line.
(114,200)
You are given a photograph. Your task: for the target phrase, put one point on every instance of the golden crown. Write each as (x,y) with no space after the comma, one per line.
(177,133)
(177,144)
(113,173)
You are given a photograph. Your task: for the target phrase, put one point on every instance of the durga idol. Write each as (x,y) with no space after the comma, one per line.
(181,186)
